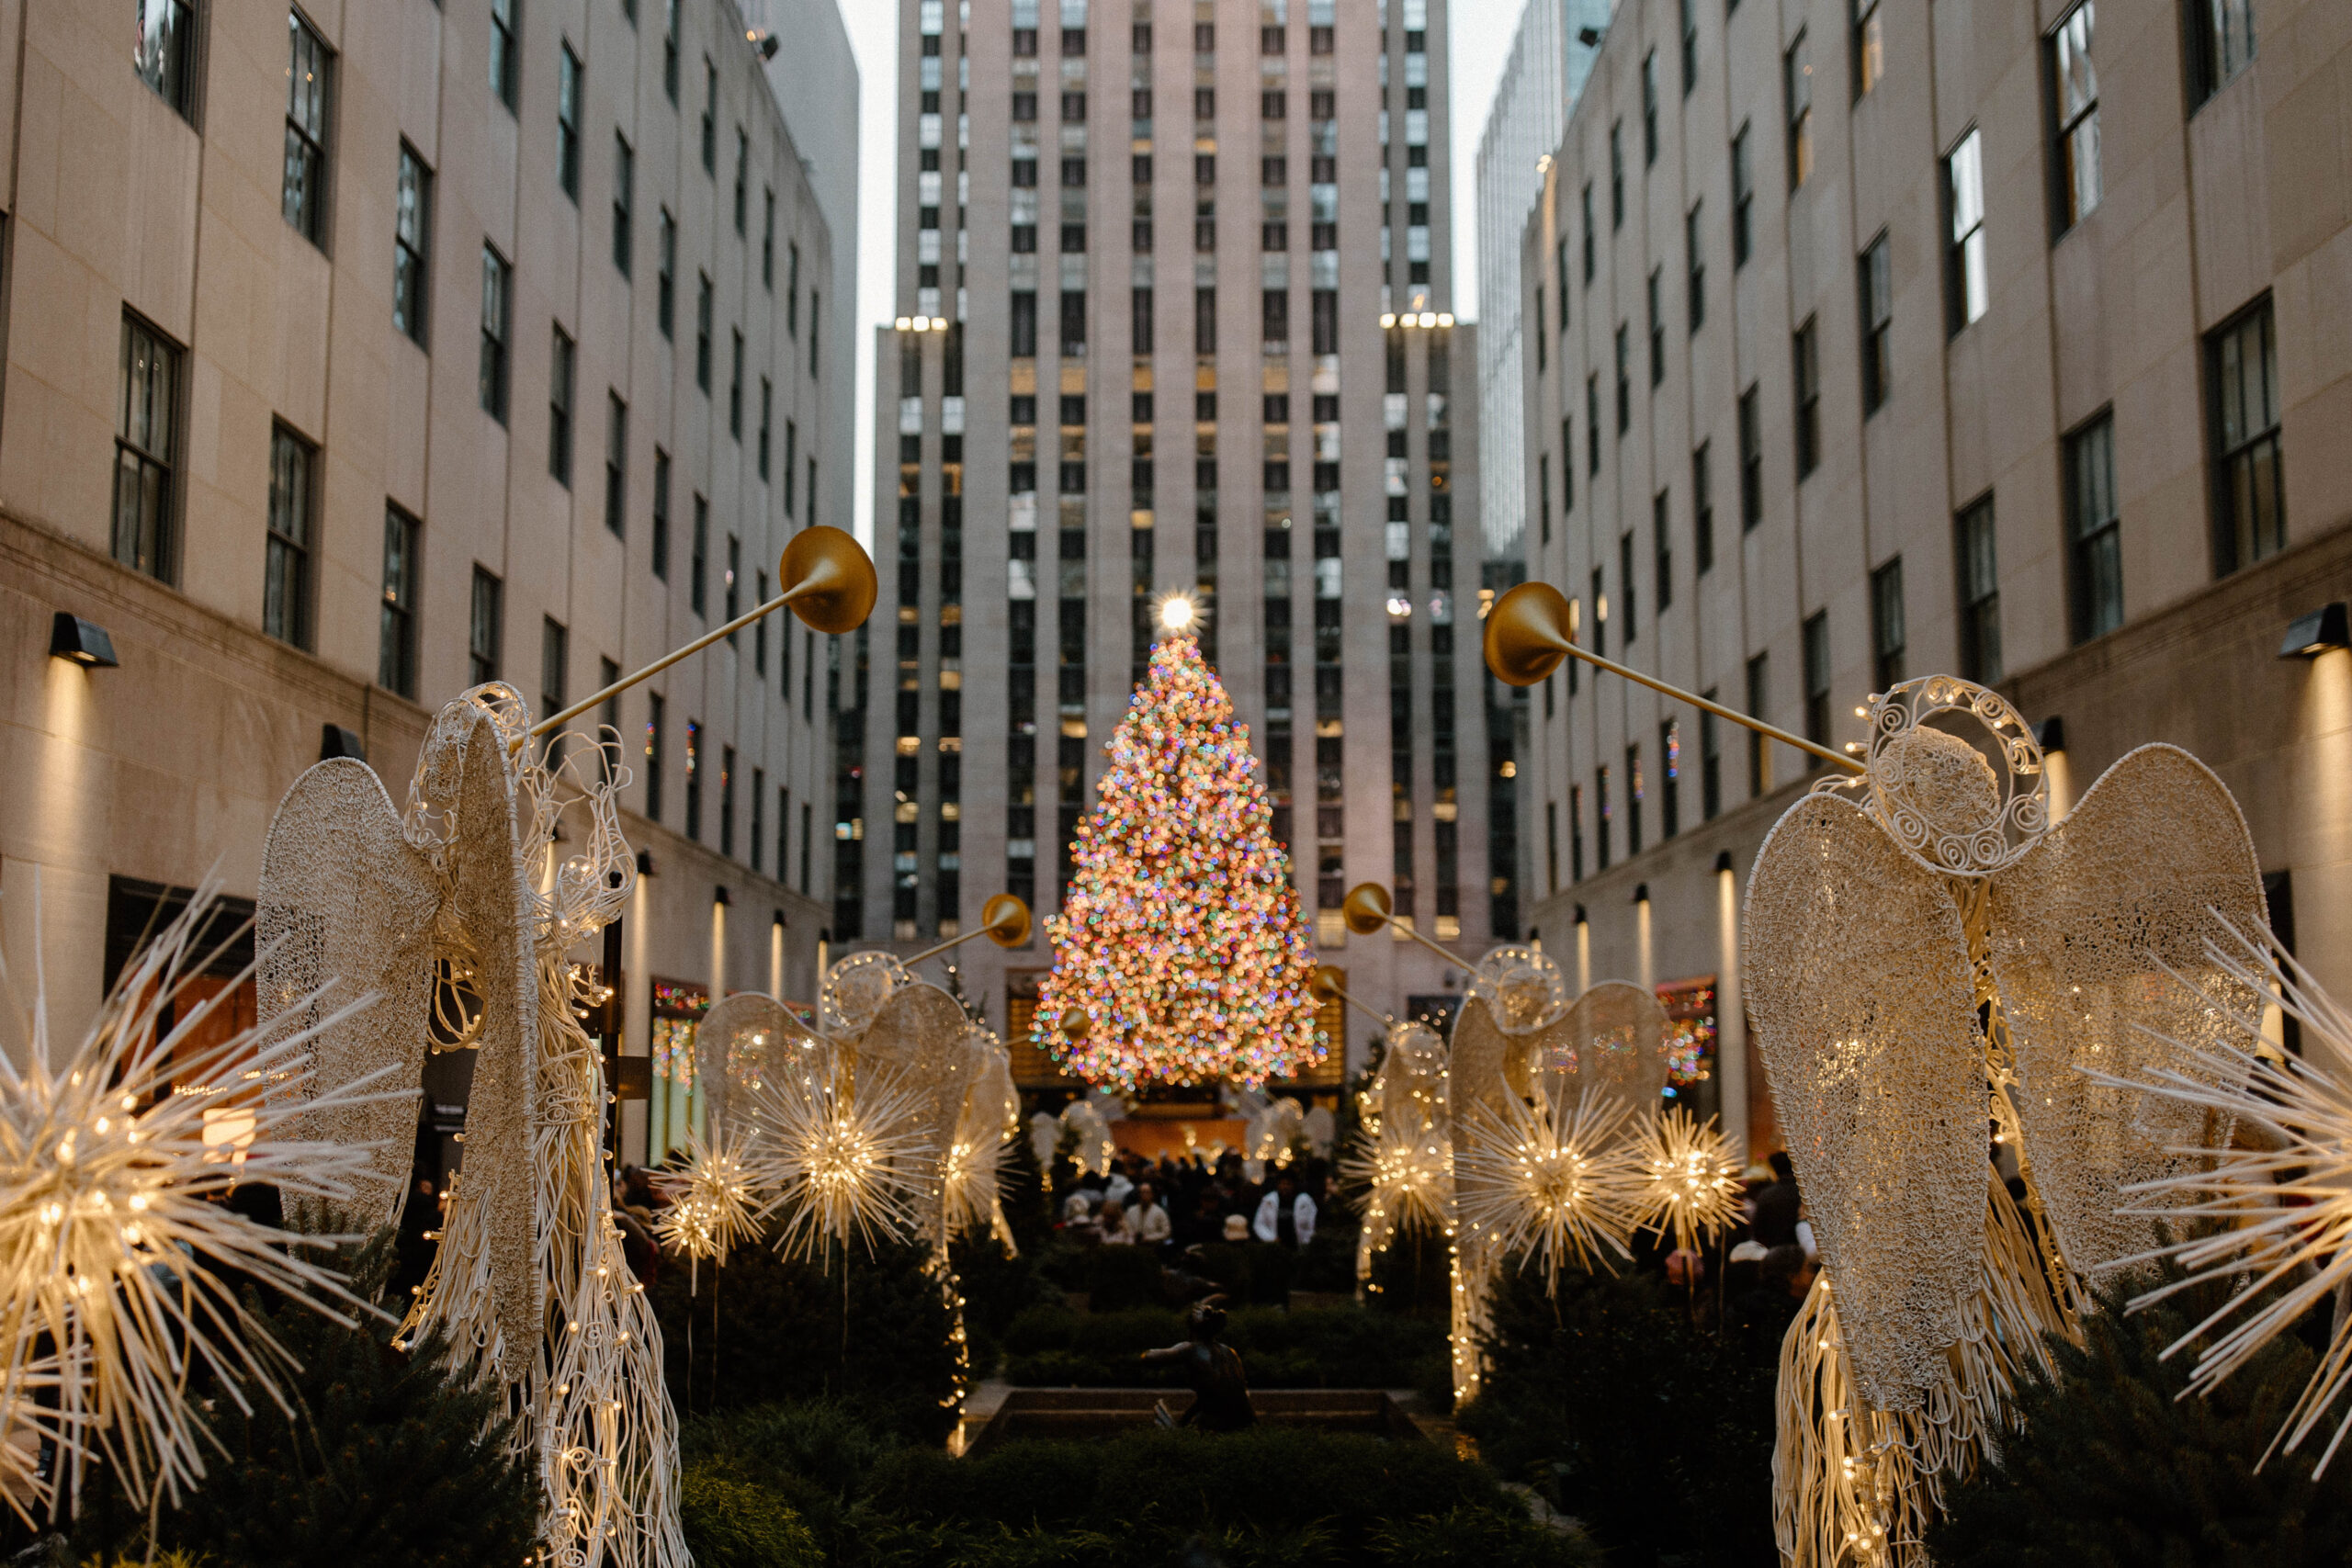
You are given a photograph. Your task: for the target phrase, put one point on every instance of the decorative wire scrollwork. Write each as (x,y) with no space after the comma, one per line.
(1936,788)
(856,988)
(1523,989)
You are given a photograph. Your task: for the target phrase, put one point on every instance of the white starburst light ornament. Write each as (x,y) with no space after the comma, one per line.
(845,1157)
(717,1201)
(120,1260)
(1557,1184)
(1692,1174)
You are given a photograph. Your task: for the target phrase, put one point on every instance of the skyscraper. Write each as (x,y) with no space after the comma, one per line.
(1174,286)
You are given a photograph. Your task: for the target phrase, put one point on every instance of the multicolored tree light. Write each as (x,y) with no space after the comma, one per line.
(1180,954)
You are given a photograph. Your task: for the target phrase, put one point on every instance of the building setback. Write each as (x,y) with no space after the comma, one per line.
(357,355)
(1175,314)
(2006,341)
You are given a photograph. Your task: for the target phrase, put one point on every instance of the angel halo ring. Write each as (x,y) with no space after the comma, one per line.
(1954,775)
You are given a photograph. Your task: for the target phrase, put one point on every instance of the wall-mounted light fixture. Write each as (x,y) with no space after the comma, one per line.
(2051,734)
(334,742)
(2308,636)
(1641,893)
(85,643)
(1580,920)
(720,897)
(645,863)
(1588,37)
(1723,860)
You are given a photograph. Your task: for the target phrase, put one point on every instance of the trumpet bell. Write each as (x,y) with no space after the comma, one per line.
(1328,983)
(827,579)
(1006,919)
(1529,632)
(1366,908)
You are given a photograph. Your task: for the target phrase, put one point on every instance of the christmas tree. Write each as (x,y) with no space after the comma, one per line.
(1180,954)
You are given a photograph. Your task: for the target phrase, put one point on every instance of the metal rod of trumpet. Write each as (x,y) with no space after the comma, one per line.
(1364,1008)
(1453,958)
(1770,731)
(556,721)
(936,950)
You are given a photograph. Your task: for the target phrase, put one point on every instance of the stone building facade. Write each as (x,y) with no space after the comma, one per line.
(2008,339)
(356,354)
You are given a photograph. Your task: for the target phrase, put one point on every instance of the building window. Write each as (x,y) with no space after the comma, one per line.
(412,222)
(624,205)
(792,289)
(1876,275)
(1694,270)
(485,628)
(735,388)
(146,450)
(1657,328)
(1544,497)
(709,120)
(702,331)
(1703,507)
(286,570)
(1711,764)
(559,373)
(1649,110)
(1588,246)
(165,56)
(670,54)
(1869,46)
(1886,624)
(2075,81)
(727,801)
(767,412)
(566,122)
(1576,832)
(1743,200)
(2094,532)
(497,297)
(653,737)
(743,181)
(1602,816)
(1751,460)
(767,242)
(660,514)
(698,560)
(1662,550)
(1592,424)
(1552,844)
(307,69)
(1629,605)
(1625,379)
(1759,757)
(616,464)
(505,59)
(396,622)
(2221,42)
(1616,175)
(693,779)
(1670,783)
(1815,632)
(1965,283)
(1689,46)
(791,451)
(2249,493)
(1634,793)
(1806,361)
(1980,595)
(666,300)
(555,662)
(1796,75)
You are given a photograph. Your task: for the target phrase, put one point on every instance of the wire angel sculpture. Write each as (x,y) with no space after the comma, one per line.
(1929,958)
(120,1264)
(1403,1155)
(459,915)
(1545,1097)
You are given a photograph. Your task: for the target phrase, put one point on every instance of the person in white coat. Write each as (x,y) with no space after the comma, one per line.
(1286,1214)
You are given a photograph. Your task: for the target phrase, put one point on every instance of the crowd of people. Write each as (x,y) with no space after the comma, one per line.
(1170,1204)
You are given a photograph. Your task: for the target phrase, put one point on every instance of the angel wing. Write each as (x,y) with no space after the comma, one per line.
(347,909)
(1860,984)
(918,1042)
(2084,929)
(1612,1041)
(485,1277)
(741,1039)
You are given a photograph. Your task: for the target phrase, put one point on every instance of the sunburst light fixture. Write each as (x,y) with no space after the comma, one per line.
(845,1157)
(122,1259)
(1691,1172)
(1556,1183)
(717,1201)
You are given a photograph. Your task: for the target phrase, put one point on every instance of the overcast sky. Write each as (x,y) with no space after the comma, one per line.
(1482,30)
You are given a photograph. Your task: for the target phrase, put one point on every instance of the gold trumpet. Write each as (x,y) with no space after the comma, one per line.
(1004,921)
(1366,908)
(1532,628)
(828,582)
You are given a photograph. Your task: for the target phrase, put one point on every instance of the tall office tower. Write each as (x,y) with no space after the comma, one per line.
(1550,56)
(1174,292)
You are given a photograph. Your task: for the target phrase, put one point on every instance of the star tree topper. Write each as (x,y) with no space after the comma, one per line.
(1179,953)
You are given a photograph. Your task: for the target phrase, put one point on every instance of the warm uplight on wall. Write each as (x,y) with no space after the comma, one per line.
(1584,951)
(2051,735)
(1642,932)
